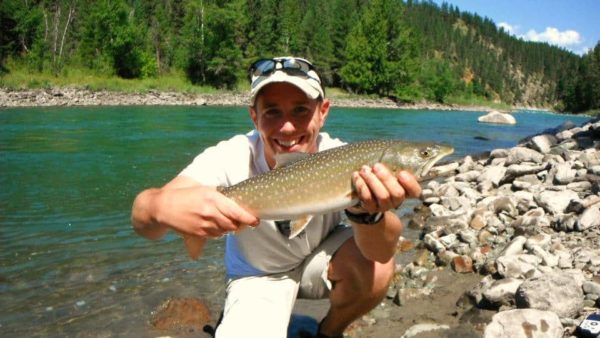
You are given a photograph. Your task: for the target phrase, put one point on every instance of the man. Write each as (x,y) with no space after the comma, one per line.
(267,270)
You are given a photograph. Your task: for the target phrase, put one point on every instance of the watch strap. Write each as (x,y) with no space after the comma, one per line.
(364,218)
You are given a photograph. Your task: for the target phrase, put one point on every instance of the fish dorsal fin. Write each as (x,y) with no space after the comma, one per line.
(297,225)
(286,159)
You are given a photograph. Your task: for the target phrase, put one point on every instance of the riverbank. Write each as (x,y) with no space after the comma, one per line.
(507,242)
(85,97)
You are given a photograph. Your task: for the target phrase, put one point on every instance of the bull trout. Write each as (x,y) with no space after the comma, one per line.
(303,185)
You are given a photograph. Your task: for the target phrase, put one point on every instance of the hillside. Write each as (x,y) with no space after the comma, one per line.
(408,51)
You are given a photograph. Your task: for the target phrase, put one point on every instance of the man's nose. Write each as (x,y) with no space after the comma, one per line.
(288,126)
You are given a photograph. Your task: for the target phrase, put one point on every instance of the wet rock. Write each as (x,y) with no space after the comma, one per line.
(524,323)
(181,314)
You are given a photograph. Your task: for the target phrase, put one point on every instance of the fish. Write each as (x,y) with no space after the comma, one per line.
(303,185)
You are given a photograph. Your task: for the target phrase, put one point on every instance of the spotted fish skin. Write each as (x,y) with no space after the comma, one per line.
(322,182)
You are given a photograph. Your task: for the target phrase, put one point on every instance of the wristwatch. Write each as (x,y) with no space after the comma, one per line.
(364,217)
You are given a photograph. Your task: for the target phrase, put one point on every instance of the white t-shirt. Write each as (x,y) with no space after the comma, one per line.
(264,249)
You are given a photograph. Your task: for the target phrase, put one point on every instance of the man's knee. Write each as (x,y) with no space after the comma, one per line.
(368,277)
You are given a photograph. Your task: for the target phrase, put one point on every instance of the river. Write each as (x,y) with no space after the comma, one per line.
(70,264)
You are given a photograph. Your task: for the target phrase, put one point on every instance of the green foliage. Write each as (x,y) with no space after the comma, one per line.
(381,53)
(402,49)
(438,79)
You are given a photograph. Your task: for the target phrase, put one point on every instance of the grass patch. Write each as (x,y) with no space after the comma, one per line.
(477,101)
(20,78)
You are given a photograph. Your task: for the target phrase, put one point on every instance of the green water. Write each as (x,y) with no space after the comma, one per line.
(70,263)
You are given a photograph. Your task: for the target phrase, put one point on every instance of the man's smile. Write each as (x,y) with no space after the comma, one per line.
(288,144)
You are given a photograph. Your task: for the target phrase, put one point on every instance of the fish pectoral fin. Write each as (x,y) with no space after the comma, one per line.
(297,225)
(194,245)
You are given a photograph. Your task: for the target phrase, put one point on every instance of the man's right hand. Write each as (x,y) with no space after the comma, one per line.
(188,208)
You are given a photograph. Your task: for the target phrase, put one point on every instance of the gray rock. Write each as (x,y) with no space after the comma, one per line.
(433,243)
(580,187)
(444,169)
(524,323)
(422,328)
(518,170)
(449,240)
(502,292)
(491,174)
(542,240)
(543,143)
(553,292)
(565,259)
(589,218)
(499,153)
(547,258)
(564,222)
(591,287)
(533,217)
(515,247)
(563,173)
(556,202)
(518,155)
(469,176)
(518,266)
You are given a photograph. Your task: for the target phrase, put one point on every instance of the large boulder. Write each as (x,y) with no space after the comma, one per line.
(497,117)
(525,323)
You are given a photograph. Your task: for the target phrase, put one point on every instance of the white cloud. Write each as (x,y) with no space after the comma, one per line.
(569,39)
(508,28)
(554,36)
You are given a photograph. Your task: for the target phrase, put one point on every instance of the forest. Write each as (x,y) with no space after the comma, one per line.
(405,50)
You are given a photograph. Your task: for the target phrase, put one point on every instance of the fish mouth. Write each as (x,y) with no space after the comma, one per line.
(424,170)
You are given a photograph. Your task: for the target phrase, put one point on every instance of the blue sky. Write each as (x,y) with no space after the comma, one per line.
(571,24)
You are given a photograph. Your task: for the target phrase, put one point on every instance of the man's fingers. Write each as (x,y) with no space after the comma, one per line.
(410,184)
(364,193)
(237,215)
(394,190)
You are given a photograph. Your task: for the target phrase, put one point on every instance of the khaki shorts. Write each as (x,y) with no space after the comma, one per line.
(261,306)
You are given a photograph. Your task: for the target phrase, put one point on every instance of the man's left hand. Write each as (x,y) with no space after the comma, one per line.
(379,190)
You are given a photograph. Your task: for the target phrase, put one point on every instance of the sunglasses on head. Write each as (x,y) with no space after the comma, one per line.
(292,66)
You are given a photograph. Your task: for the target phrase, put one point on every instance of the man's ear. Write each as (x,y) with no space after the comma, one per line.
(253,116)
(324,111)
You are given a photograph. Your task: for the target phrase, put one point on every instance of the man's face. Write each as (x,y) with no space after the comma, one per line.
(287,120)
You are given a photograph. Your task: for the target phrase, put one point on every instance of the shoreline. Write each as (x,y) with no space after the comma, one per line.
(72,97)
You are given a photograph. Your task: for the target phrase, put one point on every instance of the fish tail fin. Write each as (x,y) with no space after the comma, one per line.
(194,245)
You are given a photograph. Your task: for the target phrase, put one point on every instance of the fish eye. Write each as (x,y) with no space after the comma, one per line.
(425,152)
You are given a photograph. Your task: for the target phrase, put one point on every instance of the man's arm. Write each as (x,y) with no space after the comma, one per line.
(380,191)
(189,208)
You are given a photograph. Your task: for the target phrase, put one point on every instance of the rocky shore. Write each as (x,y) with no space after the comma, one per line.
(524,222)
(84,97)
